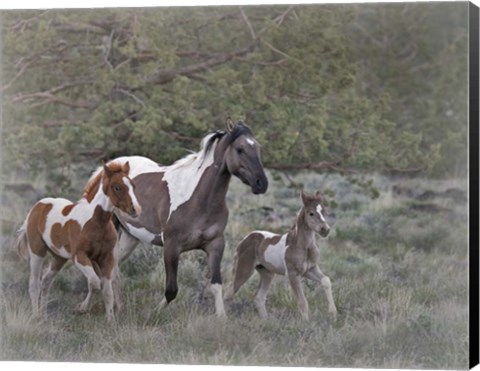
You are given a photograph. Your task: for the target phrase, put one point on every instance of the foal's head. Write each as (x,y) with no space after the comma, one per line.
(314,213)
(119,188)
(243,157)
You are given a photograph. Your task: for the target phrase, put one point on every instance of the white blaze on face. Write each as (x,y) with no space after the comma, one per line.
(320,212)
(250,141)
(131,193)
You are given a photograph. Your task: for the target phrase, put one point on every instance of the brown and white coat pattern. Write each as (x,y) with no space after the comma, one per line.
(293,254)
(82,232)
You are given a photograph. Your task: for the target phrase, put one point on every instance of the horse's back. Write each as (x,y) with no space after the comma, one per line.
(49,206)
(139,165)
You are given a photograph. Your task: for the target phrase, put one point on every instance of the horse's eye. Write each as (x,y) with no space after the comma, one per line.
(311,213)
(239,151)
(116,188)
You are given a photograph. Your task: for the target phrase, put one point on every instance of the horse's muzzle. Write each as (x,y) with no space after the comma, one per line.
(324,231)
(134,211)
(260,186)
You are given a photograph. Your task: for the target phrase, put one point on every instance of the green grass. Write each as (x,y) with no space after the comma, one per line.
(399,275)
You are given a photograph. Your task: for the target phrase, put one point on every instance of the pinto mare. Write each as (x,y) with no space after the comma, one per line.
(184,205)
(293,254)
(82,231)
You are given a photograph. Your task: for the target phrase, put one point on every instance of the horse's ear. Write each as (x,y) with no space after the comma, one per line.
(229,125)
(126,167)
(305,197)
(318,194)
(106,169)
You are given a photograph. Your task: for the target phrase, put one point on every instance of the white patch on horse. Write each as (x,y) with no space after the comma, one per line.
(100,199)
(184,175)
(62,252)
(275,254)
(54,216)
(216,290)
(131,193)
(319,211)
(138,165)
(142,234)
(266,234)
(250,141)
(81,213)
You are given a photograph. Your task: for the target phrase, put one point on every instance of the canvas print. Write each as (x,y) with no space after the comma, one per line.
(268,185)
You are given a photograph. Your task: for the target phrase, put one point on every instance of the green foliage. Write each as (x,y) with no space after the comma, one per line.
(417,55)
(375,87)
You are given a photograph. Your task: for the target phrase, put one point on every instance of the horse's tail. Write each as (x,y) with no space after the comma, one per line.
(244,261)
(21,242)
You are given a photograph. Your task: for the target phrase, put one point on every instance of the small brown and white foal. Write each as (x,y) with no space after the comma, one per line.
(82,231)
(293,254)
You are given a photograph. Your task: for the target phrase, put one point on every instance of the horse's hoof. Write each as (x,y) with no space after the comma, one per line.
(333,314)
(163,304)
(222,315)
(80,309)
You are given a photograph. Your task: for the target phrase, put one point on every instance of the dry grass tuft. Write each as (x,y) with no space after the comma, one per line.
(399,281)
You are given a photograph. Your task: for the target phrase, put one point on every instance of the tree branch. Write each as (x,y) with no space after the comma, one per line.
(80,27)
(279,51)
(245,18)
(47,98)
(282,16)
(322,165)
(164,77)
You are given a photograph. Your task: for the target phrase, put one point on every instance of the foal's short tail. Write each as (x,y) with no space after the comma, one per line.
(21,243)
(244,262)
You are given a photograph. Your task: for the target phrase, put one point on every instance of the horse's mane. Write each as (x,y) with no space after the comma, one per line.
(208,144)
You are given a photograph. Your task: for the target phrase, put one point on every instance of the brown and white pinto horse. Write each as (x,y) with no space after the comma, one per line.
(82,231)
(293,254)
(184,204)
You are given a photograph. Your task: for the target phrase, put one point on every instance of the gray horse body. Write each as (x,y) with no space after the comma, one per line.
(184,207)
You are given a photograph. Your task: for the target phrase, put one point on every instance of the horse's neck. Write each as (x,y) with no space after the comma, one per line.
(305,236)
(102,201)
(217,184)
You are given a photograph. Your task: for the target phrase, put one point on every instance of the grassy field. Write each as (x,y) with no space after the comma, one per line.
(398,265)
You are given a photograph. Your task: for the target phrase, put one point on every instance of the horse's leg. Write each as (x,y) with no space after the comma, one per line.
(316,274)
(34,283)
(106,272)
(83,263)
(37,251)
(296,283)
(170,258)
(243,265)
(214,250)
(56,264)
(124,246)
(266,278)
